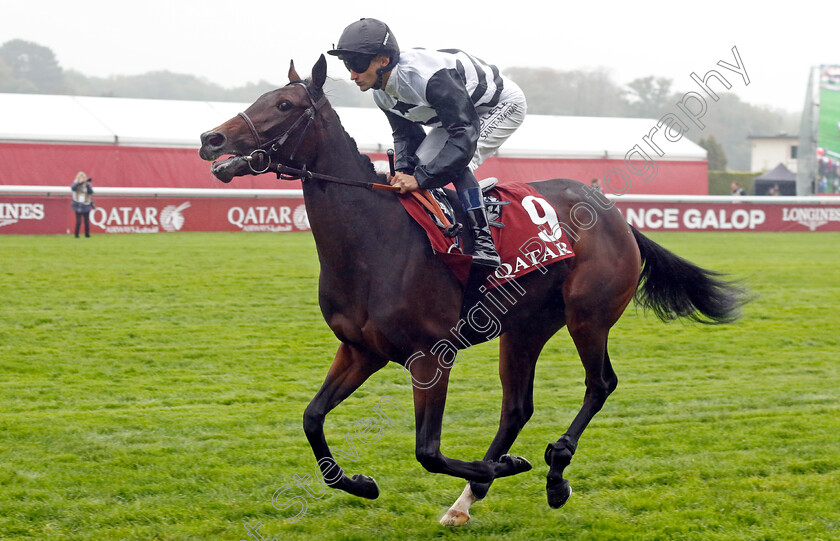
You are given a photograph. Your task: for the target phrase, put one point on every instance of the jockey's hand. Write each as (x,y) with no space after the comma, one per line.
(406,183)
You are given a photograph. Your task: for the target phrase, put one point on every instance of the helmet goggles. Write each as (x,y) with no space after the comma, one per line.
(357,62)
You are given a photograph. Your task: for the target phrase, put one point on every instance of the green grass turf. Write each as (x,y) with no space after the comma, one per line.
(829,132)
(152,387)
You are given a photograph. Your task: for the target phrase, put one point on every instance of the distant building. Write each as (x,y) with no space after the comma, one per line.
(768,151)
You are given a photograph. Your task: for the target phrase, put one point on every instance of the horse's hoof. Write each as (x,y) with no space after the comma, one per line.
(513,465)
(363,487)
(454,518)
(558,493)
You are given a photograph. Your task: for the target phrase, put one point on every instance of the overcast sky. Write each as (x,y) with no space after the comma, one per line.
(232,42)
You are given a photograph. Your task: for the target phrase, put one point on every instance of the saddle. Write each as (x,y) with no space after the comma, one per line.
(527,233)
(440,204)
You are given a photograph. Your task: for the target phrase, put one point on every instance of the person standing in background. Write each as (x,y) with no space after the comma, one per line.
(82,201)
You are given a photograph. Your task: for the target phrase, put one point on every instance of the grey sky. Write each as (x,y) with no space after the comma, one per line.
(231,43)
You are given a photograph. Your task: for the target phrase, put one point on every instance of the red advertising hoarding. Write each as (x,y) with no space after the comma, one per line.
(48,213)
(52,215)
(729,216)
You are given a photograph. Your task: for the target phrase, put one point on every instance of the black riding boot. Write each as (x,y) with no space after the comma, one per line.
(472,201)
(484,251)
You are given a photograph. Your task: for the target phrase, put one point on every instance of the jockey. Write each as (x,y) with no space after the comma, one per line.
(470,107)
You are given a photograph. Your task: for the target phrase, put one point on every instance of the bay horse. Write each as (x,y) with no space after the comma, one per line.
(387,297)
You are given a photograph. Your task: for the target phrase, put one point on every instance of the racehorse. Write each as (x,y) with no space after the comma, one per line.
(388,298)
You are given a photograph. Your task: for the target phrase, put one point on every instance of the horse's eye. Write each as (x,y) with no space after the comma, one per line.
(284,105)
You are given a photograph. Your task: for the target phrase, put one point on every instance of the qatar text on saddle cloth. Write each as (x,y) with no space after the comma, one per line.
(530,239)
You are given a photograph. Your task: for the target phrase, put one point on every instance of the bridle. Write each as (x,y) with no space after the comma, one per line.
(265,151)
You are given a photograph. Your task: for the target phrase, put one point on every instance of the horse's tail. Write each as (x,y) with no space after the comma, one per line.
(675,288)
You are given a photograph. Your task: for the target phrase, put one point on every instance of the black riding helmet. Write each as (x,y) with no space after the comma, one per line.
(362,40)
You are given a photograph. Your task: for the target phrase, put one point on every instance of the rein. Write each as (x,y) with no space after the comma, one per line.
(423,196)
(290,173)
(263,152)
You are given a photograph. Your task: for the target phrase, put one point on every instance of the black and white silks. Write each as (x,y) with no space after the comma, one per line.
(447,89)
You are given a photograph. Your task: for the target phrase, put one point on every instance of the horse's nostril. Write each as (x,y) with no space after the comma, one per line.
(214,140)
(217,140)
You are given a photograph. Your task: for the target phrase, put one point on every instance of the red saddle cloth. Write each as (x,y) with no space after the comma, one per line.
(531,238)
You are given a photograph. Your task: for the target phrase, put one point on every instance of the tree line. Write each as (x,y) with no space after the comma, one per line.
(27,67)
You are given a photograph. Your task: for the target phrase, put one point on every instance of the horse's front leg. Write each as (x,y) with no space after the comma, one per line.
(430,381)
(349,370)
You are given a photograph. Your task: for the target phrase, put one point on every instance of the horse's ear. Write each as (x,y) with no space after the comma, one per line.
(293,75)
(319,72)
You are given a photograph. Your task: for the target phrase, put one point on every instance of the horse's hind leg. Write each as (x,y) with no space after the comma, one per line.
(596,293)
(519,350)
(601,380)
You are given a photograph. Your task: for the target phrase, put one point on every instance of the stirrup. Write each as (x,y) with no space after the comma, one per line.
(487,184)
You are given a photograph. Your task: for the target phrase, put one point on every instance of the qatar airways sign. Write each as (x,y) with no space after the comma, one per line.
(139,218)
(144,215)
(684,216)
(50,215)
(268,217)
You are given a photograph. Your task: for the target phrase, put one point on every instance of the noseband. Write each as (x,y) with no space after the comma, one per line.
(264,151)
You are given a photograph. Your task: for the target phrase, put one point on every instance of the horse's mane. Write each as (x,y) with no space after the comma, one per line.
(363,159)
